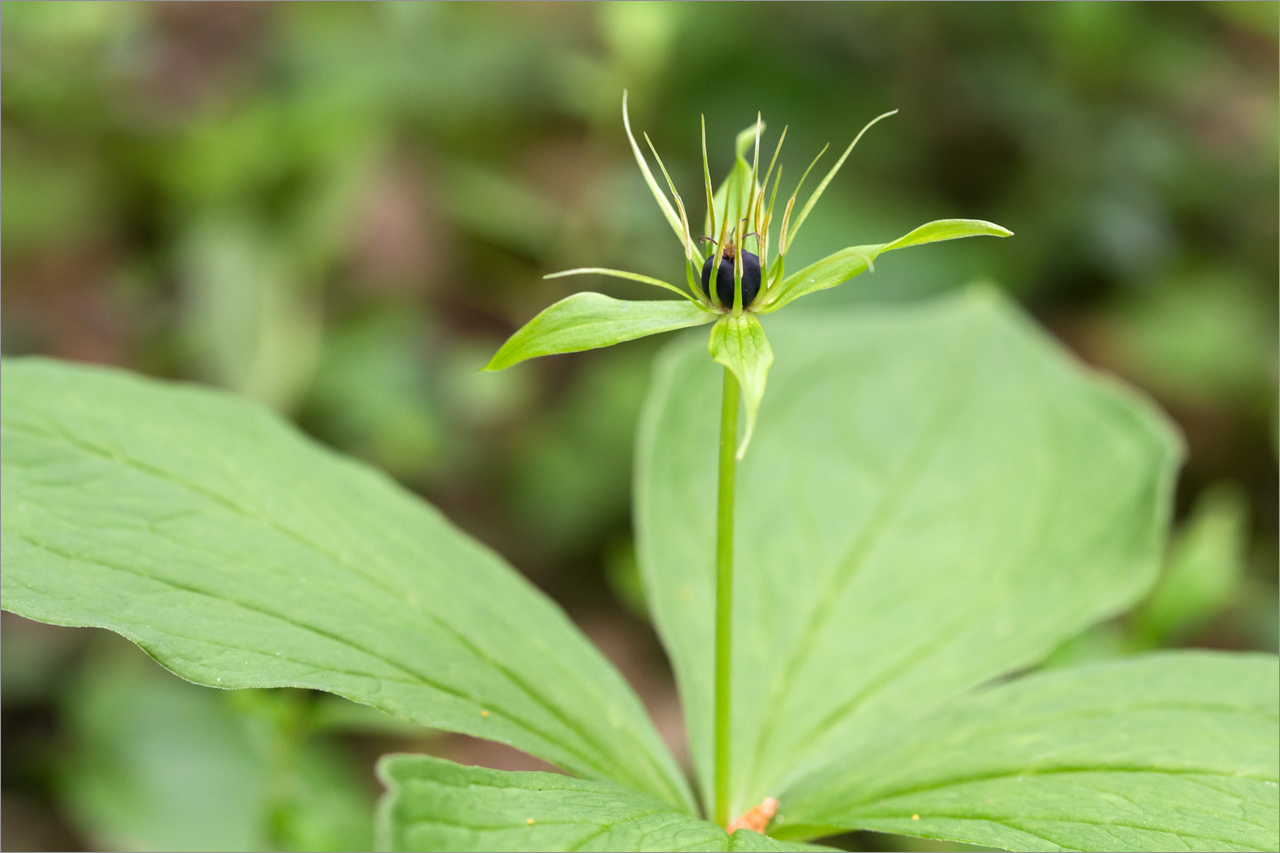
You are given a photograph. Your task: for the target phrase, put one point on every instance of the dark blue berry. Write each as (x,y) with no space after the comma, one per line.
(724,279)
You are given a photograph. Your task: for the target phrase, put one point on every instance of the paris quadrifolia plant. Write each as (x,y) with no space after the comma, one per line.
(867,631)
(748,285)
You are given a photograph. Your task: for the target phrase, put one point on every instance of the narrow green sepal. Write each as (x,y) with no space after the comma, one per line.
(739,343)
(630,276)
(588,320)
(843,265)
(948,229)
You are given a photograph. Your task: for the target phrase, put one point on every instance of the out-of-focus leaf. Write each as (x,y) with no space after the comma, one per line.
(33,659)
(1101,642)
(249,322)
(739,343)
(622,573)
(1202,577)
(46,201)
(937,495)
(240,554)
(1171,751)
(372,394)
(1203,572)
(1208,339)
(586,321)
(330,713)
(494,206)
(571,472)
(159,764)
(432,804)
(843,265)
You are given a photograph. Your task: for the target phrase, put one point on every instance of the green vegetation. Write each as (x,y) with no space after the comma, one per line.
(970,575)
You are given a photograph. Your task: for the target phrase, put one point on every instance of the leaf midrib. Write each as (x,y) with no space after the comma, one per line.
(899,489)
(415,677)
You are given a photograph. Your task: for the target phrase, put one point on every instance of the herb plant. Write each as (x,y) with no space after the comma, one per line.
(935,498)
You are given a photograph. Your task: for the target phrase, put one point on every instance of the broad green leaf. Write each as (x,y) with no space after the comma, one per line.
(1167,751)
(240,554)
(589,320)
(1205,566)
(432,804)
(740,345)
(1202,577)
(843,265)
(936,495)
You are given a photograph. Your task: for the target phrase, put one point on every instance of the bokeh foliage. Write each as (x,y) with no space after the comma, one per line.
(341,210)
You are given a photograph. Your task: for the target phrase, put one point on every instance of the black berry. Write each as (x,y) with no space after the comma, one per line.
(724,279)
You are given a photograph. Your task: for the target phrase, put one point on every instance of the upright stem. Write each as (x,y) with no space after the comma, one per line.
(724,589)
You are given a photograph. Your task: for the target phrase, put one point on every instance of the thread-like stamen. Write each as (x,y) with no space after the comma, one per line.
(706,178)
(684,217)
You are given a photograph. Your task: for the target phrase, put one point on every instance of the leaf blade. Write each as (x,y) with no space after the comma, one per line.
(240,554)
(588,320)
(894,451)
(1204,569)
(1160,751)
(432,804)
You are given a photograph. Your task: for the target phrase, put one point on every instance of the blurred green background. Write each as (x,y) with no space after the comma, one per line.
(341,210)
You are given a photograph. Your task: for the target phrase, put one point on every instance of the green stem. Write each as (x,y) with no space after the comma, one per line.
(724,589)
